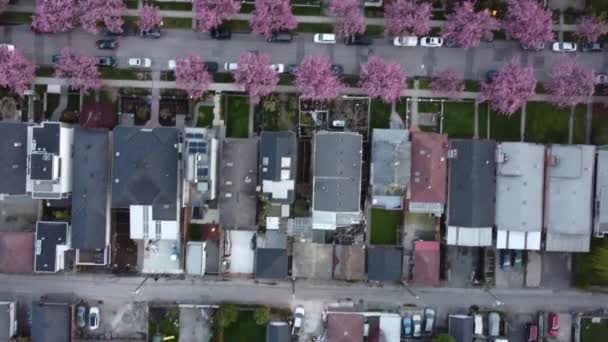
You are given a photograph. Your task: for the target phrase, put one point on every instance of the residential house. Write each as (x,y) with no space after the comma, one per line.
(382,327)
(384,263)
(344,327)
(16,252)
(568,197)
(201,152)
(390,167)
(471,192)
(13,169)
(8,320)
(49,160)
(145,173)
(428,188)
(278,332)
(52,241)
(51,322)
(271,255)
(520,172)
(90,219)
(426,262)
(239,175)
(601,193)
(461,327)
(337,180)
(349,263)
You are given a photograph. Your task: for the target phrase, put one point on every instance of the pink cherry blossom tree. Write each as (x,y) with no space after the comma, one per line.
(211,13)
(52,16)
(382,79)
(528,22)
(81,69)
(447,82)
(316,80)
(407,17)
(271,16)
(349,17)
(192,76)
(590,28)
(255,75)
(108,12)
(467,28)
(148,17)
(569,82)
(16,71)
(512,86)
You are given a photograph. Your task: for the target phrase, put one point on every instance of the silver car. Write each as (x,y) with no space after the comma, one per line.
(429,320)
(417,320)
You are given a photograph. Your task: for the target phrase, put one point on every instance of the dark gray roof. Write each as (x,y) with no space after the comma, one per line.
(50,322)
(461,327)
(278,332)
(13,148)
(273,147)
(390,168)
(144,168)
(48,236)
(41,166)
(384,263)
(472,188)
(90,175)
(270,263)
(337,171)
(47,137)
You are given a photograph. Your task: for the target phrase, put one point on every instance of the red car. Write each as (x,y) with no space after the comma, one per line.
(553,324)
(531,332)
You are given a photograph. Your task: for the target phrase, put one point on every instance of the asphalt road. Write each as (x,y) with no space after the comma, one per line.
(417,61)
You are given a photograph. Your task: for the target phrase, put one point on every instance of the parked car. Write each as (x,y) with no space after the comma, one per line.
(505,258)
(490,75)
(106,61)
(280,37)
(230,66)
(494,324)
(405,41)
(291,68)
(478,324)
(429,320)
(338,124)
(324,38)
(221,33)
(601,78)
(9,47)
(416,320)
(407,326)
(591,47)
(531,332)
(431,41)
(140,62)
(564,47)
(153,33)
(553,324)
(280,68)
(171,64)
(358,39)
(337,69)
(81,316)
(94,318)
(517,257)
(55,59)
(211,67)
(298,319)
(106,44)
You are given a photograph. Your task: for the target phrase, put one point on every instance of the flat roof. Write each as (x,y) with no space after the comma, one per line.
(426,262)
(601,193)
(144,166)
(238,173)
(390,167)
(13,147)
(46,137)
(90,175)
(568,199)
(345,327)
(50,322)
(349,262)
(428,189)
(461,327)
(278,332)
(49,235)
(519,193)
(278,163)
(16,252)
(271,263)
(312,260)
(384,263)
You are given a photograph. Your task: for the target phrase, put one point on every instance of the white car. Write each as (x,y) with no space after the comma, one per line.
(416,320)
(280,68)
(478,324)
(601,78)
(298,319)
(93,318)
(231,66)
(9,47)
(171,64)
(431,41)
(405,41)
(564,47)
(140,62)
(325,38)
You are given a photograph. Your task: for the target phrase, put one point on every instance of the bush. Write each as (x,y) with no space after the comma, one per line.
(444,338)
(261,315)
(227,314)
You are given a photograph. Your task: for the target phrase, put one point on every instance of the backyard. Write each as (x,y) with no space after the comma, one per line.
(236,114)
(546,123)
(593,332)
(502,127)
(459,119)
(385,226)
(205,117)
(380,114)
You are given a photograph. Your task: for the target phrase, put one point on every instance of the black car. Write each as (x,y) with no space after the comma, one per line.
(337,69)
(221,33)
(211,66)
(106,44)
(56,59)
(106,61)
(591,47)
(358,39)
(281,37)
(153,33)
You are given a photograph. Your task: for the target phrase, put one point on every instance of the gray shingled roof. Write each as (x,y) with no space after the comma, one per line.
(390,168)
(270,263)
(273,147)
(90,176)
(144,167)
(384,263)
(50,322)
(13,148)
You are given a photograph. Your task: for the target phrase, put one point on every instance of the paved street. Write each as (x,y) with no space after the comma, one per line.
(417,61)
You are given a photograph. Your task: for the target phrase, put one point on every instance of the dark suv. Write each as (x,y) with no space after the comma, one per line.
(106,44)
(221,33)
(281,37)
(106,61)
(591,47)
(358,39)
(211,66)
(153,33)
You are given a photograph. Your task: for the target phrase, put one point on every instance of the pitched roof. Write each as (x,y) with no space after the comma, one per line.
(384,263)
(90,176)
(426,262)
(50,322)
(144,167)
(271,263)
(390,167)
(13,148)
(461,327)
(349,262)
(16,252)
(345,327)
(601,193)
(278,163)
(428,189)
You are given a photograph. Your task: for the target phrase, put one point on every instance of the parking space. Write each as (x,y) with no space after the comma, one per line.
(517,326)
(556,268)
(509,271)
(313,319)
(18,214)
(118,320)
(461,265)
(195,324)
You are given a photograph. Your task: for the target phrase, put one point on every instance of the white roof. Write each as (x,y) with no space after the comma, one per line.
(143,227)
(470,237)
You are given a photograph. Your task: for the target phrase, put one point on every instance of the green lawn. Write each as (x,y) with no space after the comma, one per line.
(546,123)
(178,23)
(593,332)
(73,102)
(174,6)
(236,112)
(599,125)
(502,127)
(459,119)
(380,114)
(245,329)
(583,273)
(205,116)
(385,225)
